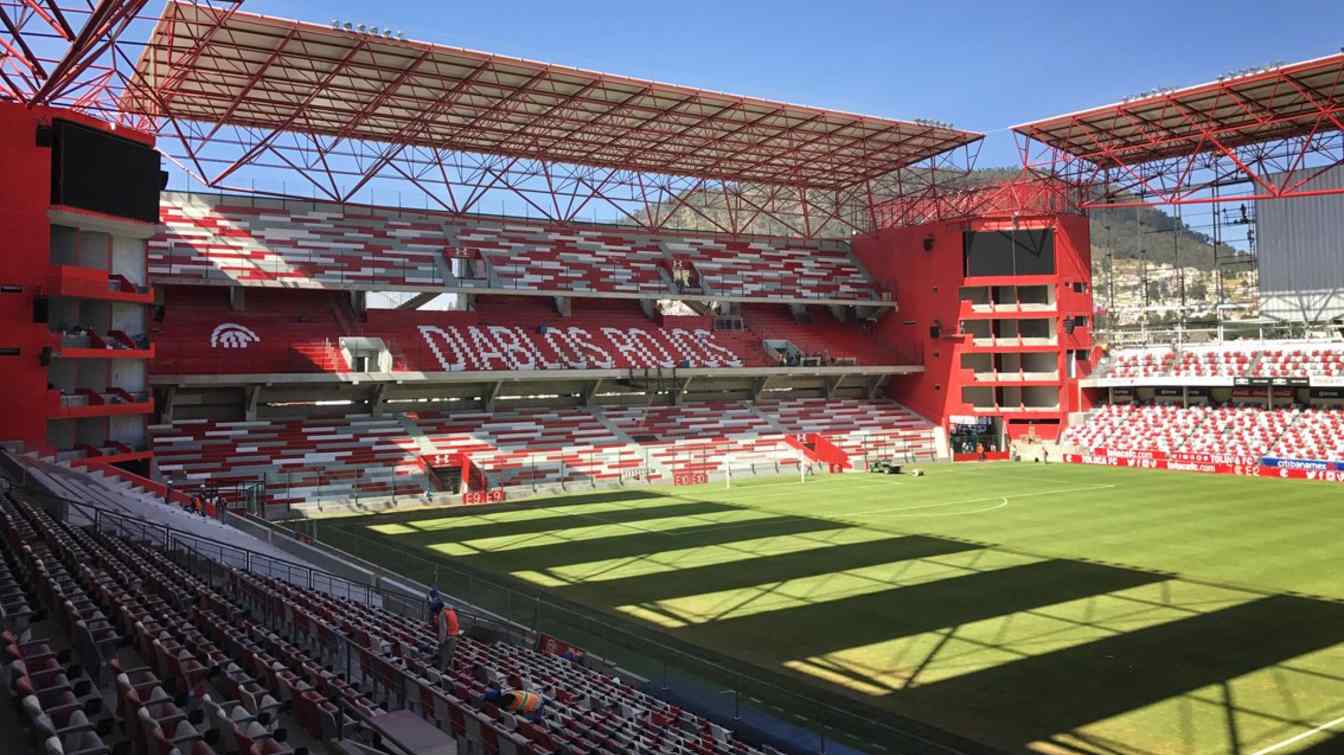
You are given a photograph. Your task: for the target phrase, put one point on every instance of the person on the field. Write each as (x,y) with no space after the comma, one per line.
(446,630)
(518,702)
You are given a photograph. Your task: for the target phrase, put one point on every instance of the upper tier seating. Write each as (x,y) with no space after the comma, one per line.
(524,333)
(825,337)
(1234,359)
(364,456)
(315,245)
(298,331)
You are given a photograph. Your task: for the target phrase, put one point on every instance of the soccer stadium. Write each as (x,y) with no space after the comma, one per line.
(370,395)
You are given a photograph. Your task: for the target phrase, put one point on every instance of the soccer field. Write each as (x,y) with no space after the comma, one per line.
(1045,608)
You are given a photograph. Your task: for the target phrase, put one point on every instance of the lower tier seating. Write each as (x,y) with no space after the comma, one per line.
(232,661)
(1244,432)
(363,456)
(297,460)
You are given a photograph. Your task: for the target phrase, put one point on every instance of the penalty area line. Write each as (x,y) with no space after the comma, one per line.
(1298,738)
(897,512)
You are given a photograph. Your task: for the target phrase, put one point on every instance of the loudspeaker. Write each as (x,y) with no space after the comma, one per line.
(44,358)
(928,243)
(41,309)
(935,331)
(43,135)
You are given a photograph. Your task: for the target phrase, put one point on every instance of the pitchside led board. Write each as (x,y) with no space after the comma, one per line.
(1009,252)
(94,170)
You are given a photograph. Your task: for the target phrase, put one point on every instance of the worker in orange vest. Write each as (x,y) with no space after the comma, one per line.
(517,701)
(446,629)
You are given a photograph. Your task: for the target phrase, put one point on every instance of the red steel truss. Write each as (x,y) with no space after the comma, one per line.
(244,102)
(64,53)
(1267,132)
(351,116)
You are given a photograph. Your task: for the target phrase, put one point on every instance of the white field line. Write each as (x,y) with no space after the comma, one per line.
(1295,739)
(889,511)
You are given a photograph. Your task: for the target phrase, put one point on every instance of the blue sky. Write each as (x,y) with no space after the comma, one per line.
(983,68)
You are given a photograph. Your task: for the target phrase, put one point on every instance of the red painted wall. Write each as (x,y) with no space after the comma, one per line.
(922,265)
(25,197)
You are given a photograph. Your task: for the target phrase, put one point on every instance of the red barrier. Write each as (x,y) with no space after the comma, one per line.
(989,456)
(1175,462)
(1325,475)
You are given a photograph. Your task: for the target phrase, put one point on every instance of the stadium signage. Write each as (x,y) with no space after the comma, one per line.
(1147,461)
(493,495)
(498,347)
(1302,464)
(1328,475)
(1278,382)
(690,478)
(1177,457)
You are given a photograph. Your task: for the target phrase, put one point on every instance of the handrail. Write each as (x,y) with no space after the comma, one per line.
(660,656)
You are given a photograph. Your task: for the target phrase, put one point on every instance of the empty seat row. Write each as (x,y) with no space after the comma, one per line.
(209,238)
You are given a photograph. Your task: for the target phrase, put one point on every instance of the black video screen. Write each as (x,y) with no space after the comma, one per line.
(1010,252)
(94,170)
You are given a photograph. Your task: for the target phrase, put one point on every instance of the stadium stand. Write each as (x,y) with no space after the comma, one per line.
(363,456)
(302,332)
(200,658)
(1234,359)
(1312,434)
(307,460)
(255,242)
(1245,432)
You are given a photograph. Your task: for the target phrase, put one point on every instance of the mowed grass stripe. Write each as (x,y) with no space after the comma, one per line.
(906,660)
(677,559)
(780,570)
(487,542)
(1091,665)
(625,543)
(546,520)
(785,602)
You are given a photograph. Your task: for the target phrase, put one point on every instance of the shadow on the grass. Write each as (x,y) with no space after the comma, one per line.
(751,571)
(444,531)
(831,625)
(1035,698)
(638,544)
(577,499)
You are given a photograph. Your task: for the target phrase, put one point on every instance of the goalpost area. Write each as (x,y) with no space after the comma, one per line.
(1028,607)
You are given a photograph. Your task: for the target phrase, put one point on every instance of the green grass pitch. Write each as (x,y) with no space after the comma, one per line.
(1032,608)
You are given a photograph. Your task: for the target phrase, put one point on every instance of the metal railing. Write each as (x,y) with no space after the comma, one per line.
(669,663)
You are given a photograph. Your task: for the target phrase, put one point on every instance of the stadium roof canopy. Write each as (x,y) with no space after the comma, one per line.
(1264,105)
(248,70)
